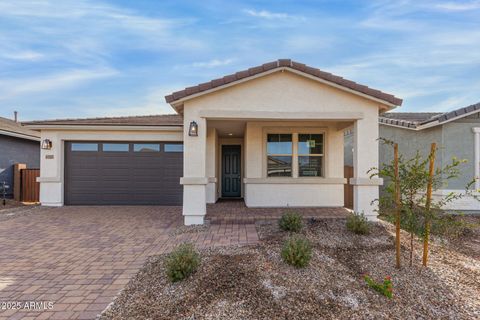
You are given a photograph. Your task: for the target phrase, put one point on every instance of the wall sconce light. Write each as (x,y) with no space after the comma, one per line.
(47,144)
(193,129)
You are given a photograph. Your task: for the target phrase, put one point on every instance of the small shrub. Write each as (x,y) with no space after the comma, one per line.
(182,262)
(385,288)
(357,223)
(297,251)
(291,221)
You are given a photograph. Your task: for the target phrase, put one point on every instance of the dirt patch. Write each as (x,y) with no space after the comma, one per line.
(15,209)
(254,283)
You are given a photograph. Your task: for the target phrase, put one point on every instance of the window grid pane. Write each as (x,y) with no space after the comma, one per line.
(310,166)
(279,144)
(279,166)
(115,147)
(173,147)
(146,147)
(78,146)
(310,144)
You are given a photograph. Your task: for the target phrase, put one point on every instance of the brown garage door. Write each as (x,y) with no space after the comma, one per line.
(121,173)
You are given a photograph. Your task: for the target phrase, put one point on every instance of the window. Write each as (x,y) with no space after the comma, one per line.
(79,146)
(279,155)
(146,147)
(310,155)
(115,147)
(174,147)
(295,154)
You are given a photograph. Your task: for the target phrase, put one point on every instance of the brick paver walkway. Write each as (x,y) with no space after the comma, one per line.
(235,212)
(79,258)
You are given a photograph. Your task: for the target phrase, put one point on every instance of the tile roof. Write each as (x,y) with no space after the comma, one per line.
(7,125)
(414,120)
(283,63)
(151,120)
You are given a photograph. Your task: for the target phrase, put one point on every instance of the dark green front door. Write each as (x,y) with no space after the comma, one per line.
(231,168)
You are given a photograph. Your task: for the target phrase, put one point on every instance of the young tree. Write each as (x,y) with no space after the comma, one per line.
(412,177)
(398,206)
(428,204)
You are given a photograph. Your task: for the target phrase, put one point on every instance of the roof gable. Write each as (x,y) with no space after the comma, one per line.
(178,96)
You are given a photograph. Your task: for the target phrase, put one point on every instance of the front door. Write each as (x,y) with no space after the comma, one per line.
(231,169)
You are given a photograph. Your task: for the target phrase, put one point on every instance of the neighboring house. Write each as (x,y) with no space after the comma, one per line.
(17,145)
(456,133)
(272,135)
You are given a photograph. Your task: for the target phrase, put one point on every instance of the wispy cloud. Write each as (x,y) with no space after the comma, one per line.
(26,55)
(265,14)
(11,88)
(458,6)
(81,30)
(79,58)
(212,63)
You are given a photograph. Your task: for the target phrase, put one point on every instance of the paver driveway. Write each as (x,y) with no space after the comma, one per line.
(79,258)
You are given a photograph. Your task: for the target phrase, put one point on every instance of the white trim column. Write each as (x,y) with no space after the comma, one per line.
(365,157)
(194,178)
(476,132)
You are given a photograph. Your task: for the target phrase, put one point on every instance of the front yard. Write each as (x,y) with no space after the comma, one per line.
(253,282)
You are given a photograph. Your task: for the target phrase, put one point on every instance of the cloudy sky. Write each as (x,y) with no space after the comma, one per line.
(88,58)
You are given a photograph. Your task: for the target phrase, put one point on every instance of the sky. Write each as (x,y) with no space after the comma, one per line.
(94,58)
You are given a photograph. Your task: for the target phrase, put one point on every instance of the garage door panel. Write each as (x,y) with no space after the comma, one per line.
(106,177)
(115,173)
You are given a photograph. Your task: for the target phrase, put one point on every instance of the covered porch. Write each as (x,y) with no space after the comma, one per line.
(269,164)
(273,136)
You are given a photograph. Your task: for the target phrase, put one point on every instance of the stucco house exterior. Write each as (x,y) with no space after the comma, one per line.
(456,133)
(18,144)
(272,135)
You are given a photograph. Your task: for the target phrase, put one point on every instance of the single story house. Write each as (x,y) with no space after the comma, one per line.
(456,133)
(272,135)
(18,144)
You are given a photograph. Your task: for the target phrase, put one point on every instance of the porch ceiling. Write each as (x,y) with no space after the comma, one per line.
(236,128)
(228,128)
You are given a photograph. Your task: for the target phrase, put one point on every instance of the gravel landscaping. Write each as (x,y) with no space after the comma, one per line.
(14,209)
(254,283)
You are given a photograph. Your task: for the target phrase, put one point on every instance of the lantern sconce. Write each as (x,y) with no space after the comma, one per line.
(47,144)
(193,129)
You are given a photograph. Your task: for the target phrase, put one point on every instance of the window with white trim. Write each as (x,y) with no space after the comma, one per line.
(295,154)
(279,155)
(310,155)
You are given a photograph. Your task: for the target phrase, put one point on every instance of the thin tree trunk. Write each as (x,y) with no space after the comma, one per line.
(412,226)
(397,207)
(427,205)
(411,248)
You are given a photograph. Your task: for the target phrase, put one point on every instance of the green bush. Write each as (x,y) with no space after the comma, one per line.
(182,262)
(297,251)
(357,223)
(291,221)
(385,288)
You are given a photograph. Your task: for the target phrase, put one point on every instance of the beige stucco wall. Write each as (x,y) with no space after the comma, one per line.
(52,170)
(281,91)
(263,191)
(288,97)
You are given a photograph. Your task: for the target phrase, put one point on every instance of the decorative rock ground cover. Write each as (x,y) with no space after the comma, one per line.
(252,282)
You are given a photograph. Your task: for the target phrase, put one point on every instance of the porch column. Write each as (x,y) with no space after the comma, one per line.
(211,164)
(365,157)
(194,178)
